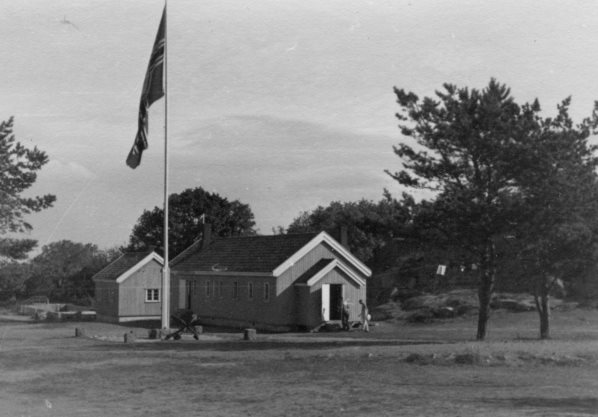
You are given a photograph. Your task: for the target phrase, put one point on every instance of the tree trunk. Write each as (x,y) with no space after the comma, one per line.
(486,288)
(542,299)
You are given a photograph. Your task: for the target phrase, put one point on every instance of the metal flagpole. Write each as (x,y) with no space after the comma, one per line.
(166,268)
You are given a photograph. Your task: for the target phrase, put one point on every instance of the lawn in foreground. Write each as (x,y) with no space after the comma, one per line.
(45,371)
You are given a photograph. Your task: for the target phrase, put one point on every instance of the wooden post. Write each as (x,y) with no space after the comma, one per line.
(250,334)
(130,337)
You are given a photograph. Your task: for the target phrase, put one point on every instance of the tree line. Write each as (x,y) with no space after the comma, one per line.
(510,195)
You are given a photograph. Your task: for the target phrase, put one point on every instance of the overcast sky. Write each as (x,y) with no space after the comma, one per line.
(284,105)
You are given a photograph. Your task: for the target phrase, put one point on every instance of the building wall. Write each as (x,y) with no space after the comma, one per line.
(106,300)
(132,292)
(218,303)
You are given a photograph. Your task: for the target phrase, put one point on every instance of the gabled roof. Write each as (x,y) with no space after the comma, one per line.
(245,254)
(323,237)
(314,270)
(271,255)
(323,267)
(126,265)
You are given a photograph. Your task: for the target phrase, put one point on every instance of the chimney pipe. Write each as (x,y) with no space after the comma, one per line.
(207,235)
(344,238)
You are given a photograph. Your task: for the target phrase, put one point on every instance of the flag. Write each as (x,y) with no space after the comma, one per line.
(153,89)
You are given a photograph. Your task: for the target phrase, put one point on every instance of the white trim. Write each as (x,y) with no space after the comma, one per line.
(138,265)
(137,318)
(322,237)
(332,265)
(325,302)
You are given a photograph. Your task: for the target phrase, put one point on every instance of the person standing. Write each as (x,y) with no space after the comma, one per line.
(365,317)
(345,315)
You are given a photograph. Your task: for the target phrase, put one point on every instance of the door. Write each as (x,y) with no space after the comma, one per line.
(332,299)
(325,302)
(183,291)
(336,301)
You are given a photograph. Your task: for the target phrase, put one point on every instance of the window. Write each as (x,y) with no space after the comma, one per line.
(152,295)
(235,289)
(208,288)
(220,288)
(250,290)
(266,291)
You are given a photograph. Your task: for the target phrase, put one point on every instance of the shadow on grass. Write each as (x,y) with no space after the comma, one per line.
(584,405)
(241,345)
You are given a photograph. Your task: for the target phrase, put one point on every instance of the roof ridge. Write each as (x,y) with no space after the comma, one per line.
(265,236)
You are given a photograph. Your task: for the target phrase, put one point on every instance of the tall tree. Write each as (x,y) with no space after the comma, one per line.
(471,147)
(63,270)
(13,276)
(18,172)
(558,236)
(187,211)
(371,227)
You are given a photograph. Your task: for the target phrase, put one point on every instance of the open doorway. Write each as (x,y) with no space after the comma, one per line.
(332,295)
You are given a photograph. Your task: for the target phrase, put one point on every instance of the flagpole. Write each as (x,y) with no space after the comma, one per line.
(166,268)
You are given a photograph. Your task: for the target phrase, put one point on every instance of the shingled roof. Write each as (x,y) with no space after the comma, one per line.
(121,265)
(243,254)
(307,275)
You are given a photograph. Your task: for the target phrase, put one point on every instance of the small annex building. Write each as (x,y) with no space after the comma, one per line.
(129,289)
(280,282)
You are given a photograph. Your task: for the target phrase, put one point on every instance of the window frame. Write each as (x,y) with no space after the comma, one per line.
(250,290)
(152,295)
(235,290)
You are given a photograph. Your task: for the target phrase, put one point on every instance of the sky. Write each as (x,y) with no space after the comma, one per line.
(284,105)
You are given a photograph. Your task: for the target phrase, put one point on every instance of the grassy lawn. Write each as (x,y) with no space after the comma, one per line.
(396,370)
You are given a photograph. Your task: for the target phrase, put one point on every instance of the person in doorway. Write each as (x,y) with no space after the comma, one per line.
(365,317)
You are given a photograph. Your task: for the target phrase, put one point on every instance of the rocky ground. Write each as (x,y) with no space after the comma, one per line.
(421,307)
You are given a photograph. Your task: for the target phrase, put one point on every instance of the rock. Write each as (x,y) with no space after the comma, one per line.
(468,359)
(513,305)
(444,312)
(130,337)
(420,359)
(423,315)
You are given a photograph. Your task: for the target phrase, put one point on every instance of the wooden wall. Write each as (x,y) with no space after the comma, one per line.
(106,300)
(132,292)
(219,302)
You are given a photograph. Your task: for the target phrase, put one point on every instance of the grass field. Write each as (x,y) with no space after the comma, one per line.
(396,370)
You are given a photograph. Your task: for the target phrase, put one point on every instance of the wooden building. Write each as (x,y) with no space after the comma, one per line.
(281,282)
(129,289)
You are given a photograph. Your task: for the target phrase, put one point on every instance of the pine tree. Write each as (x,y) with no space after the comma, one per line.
(18,172)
